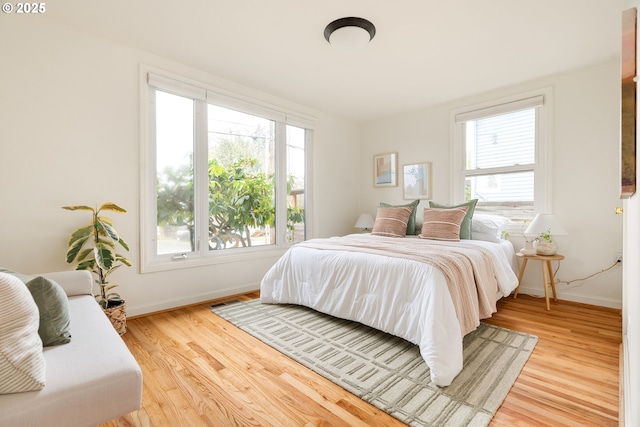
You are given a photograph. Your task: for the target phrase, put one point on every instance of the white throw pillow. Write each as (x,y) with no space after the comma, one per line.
(22,364)
(488,227)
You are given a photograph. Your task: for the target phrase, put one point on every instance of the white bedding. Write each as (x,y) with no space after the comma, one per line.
(403,297)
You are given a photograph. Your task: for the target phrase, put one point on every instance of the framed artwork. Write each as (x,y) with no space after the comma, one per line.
(385,170)
(628,105)
(417,181)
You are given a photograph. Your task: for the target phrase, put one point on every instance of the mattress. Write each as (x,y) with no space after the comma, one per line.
(399,295)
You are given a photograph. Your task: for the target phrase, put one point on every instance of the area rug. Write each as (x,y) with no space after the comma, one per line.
(387,371)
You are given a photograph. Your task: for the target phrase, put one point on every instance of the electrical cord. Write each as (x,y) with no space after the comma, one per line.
(569,282)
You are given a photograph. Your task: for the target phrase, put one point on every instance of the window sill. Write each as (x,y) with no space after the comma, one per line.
(215,258)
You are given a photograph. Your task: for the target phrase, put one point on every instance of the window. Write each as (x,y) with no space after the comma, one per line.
(500,150)
(228,176)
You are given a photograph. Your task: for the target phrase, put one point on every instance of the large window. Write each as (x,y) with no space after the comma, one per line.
(501,157)
(228,176)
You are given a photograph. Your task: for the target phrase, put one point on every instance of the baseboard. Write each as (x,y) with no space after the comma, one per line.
(139,310)
(539,292)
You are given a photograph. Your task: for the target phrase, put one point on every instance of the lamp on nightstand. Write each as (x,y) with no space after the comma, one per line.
(544,227)
(365,222)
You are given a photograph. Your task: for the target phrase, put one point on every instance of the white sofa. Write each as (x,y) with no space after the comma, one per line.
(92,379)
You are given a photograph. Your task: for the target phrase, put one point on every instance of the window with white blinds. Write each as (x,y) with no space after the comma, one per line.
(501,155)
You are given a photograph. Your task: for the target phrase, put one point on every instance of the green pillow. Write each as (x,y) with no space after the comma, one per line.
(465,227)
(53,305)
(411,224)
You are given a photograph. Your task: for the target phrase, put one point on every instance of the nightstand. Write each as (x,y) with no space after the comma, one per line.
(547,273)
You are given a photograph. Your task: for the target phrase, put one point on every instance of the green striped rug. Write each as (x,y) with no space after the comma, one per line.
(387,371)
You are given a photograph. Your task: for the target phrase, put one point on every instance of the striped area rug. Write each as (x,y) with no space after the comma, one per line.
(387,371)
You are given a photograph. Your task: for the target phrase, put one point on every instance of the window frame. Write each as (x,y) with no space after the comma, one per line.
(542,166)
(152,79)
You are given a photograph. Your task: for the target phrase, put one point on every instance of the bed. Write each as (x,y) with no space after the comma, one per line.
(429,292)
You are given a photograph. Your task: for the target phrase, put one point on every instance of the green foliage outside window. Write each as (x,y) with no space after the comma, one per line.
(240,197)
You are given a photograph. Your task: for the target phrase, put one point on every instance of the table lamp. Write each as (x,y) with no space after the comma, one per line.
(364,222)
(544,227)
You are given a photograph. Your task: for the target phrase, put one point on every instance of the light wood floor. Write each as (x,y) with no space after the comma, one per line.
(199,370)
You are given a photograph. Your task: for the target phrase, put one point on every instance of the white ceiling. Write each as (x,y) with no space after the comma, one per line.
(425,52)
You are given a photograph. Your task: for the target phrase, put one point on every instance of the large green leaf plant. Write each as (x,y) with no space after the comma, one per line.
(93,247)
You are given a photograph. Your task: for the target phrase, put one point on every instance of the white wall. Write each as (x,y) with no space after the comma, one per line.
(585,173)
(69,134)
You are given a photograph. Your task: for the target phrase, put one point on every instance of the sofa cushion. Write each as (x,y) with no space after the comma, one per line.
(24,277)
(53,305)
(96,366)
(22,364)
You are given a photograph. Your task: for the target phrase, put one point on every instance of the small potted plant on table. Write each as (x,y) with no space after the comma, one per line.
(544,243)
(93,247)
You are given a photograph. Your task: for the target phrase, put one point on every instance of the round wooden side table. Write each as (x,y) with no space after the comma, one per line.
(547,273)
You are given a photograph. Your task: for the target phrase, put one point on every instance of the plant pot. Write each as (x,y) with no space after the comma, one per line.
(118,317)
(545,248)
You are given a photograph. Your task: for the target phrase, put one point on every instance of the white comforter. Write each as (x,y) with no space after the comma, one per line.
(403,297)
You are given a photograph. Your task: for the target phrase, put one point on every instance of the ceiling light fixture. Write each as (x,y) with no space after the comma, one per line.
(349,33)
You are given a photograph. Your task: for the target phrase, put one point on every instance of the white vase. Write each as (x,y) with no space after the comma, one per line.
(528,249)
(545,248)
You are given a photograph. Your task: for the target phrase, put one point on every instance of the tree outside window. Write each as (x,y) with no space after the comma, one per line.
(241,177)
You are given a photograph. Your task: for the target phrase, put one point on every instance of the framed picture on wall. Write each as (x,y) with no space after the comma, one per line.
(385,170)
(417,181)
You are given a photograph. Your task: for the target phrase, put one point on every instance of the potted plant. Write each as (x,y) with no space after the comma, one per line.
(93,247)
(544,243)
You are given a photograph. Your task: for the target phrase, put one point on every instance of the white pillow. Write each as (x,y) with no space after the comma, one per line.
(22,365)
(488,227)
(487,237)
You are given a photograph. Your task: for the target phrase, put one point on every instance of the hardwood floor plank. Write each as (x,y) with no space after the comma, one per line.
(199,370)
(333,408)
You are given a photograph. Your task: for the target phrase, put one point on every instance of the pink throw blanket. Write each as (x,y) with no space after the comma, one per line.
(467,269)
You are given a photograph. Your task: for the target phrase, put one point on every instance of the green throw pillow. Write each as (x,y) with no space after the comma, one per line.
(53,305)
(465,227)
(411,224)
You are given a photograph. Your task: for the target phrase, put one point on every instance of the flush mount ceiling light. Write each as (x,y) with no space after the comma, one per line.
(349,33)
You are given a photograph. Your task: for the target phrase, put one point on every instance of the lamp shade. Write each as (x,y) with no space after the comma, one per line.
(546,222)
(365,221)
